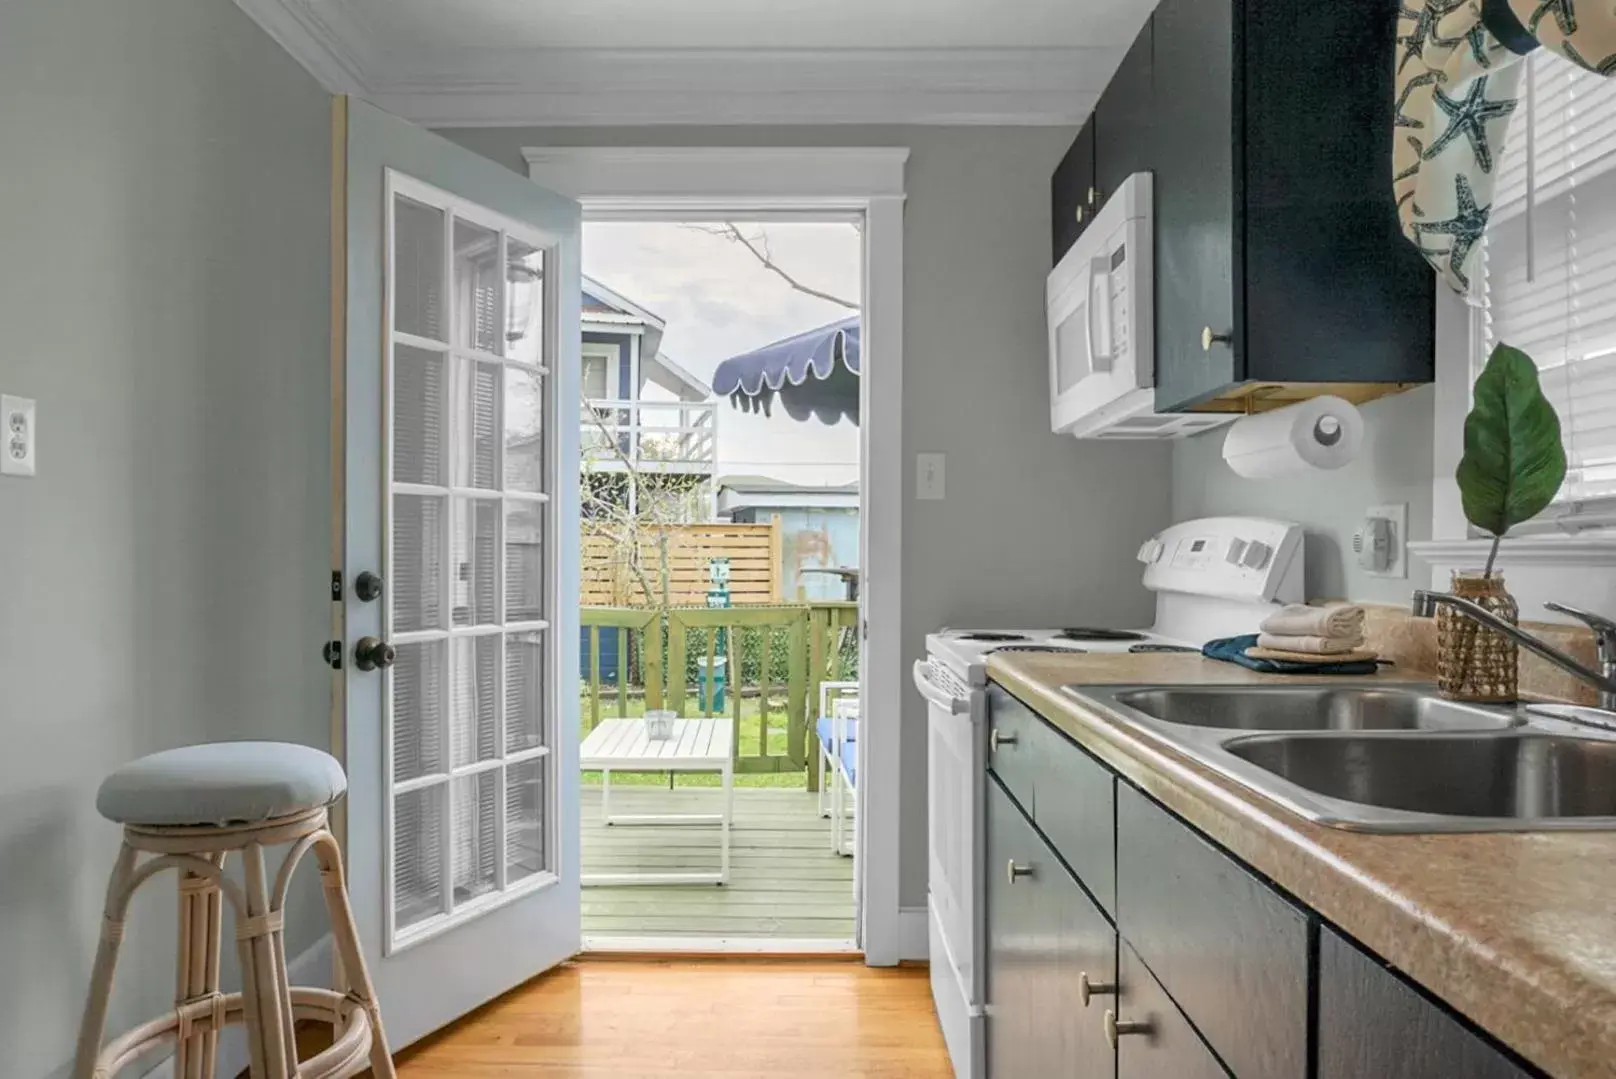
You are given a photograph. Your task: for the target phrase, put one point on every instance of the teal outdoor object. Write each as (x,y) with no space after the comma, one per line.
(720,675)
(718,597)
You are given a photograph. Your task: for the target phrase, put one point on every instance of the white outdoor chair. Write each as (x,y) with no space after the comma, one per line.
(837,728)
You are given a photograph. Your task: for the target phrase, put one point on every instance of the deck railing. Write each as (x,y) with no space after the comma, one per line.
(774,657)
(657,436)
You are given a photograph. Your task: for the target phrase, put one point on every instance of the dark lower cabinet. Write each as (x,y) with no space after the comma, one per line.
(1373,1026)
(1044,939)
(1155,1041)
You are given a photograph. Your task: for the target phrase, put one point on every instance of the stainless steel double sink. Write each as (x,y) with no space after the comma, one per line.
(1383,759)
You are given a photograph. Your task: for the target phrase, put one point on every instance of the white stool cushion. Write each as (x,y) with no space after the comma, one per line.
(221,783)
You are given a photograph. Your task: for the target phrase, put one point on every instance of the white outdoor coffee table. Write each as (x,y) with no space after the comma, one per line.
(697,745)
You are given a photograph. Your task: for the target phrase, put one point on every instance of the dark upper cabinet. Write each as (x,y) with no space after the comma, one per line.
(1373,1026)
(1123,120)
(1069,204)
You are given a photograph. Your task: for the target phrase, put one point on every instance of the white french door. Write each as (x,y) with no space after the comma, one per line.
(462,337)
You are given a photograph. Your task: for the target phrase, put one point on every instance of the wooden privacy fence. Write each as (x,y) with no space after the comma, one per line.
(754,553)
(777,656)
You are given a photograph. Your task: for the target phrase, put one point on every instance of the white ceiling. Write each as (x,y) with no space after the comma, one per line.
(503,62)
(748,24)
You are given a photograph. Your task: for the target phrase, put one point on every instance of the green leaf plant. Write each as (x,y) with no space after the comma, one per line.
(1514,461)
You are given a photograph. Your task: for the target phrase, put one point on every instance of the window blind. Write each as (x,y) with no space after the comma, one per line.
(1548,269)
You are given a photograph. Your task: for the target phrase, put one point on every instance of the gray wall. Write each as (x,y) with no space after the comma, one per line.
(1394,466)
(1035,526)
(163,287)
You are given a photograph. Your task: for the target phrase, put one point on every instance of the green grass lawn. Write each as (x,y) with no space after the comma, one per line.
(610,709)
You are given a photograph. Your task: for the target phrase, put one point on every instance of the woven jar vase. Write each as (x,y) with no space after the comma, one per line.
(1475,663)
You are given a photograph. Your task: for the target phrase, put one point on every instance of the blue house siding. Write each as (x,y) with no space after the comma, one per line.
(625,372)
(609,660)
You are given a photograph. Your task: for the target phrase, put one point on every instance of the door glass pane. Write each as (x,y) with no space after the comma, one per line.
(476,561)
(418,683)
(524,430)
(524,323)
(474,711)
(418,269)
(477,426)
(524,561)
(418,415)
(476,832)
(476,287)
(524,820)
(417,856)
(524,691)
(417,592)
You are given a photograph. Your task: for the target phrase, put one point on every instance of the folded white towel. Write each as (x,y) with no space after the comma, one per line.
(1300,620)
(1313,646)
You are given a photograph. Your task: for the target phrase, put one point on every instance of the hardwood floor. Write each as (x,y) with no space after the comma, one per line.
(724,1017)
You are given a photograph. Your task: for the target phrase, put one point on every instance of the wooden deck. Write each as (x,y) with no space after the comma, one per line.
(785,883)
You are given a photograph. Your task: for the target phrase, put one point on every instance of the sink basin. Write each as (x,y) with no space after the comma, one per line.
(1310,708)
(1520,776)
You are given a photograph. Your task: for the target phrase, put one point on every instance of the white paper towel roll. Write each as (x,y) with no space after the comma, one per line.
(1324,432)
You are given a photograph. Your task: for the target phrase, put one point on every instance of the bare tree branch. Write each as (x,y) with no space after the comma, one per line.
(759,248)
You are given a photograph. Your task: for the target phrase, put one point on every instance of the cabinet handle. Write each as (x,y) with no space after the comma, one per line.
(1209,338)
(1000,738)
(1086,988)
(1094,196)
(1079,215)
(1115,1028)
(1012,871)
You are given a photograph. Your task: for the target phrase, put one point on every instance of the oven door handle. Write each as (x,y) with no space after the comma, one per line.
(954,706)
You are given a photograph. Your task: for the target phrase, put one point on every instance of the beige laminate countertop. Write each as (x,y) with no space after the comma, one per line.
(1516,931)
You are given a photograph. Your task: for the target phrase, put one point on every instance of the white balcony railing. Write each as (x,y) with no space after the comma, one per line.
(655,436)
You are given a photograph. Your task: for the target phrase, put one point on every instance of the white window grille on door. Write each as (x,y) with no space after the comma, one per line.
(470,547)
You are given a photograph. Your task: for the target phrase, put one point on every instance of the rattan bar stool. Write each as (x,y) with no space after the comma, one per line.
(188,810)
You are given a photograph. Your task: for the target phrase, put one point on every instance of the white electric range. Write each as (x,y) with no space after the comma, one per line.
(1215,577)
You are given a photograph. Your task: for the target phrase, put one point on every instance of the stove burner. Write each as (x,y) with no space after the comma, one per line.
(1162,648)
(983,636)
(1041,648)
(1085,633)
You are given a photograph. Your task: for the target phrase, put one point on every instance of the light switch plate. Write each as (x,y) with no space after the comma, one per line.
(1397,514)
(17,436)
(929,477)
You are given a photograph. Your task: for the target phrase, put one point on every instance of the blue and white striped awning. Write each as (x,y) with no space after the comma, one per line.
(813,374)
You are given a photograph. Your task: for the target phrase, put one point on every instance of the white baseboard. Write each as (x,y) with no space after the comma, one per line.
(913,939)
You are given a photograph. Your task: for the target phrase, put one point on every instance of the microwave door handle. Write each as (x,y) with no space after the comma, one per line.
(1088,318)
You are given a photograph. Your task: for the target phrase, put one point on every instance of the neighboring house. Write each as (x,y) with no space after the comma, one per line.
(820,526)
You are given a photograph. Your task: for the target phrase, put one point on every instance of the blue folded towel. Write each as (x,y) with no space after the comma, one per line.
(1233,650)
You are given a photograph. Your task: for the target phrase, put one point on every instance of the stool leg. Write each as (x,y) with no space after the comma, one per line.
(94,1023)
(199,910)
(263,992)
(346,935)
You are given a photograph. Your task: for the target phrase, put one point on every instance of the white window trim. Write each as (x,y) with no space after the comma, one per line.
(682,183)
(1538,567)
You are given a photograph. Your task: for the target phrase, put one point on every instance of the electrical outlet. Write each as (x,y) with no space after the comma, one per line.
(929,478)
(1397,549)
(17,436)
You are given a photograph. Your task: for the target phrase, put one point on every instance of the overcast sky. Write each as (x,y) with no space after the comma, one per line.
(718,302)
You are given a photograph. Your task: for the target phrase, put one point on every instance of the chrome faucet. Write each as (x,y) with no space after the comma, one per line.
(1604,679)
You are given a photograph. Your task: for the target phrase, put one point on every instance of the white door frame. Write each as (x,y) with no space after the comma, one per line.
(647,183)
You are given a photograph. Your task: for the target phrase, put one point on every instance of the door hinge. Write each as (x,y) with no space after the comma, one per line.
(332,654)
(336,586)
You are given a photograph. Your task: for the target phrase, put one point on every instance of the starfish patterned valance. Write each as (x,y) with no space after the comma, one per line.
(1457,82)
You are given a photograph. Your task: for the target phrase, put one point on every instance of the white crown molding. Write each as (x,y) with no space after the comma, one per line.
(606,176)
(500,87)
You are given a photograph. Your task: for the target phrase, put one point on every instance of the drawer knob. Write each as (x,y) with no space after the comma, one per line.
(1094,196)
(1116,1028)
(1210,338)
(1000,738)
(1087,989)
(1012,871)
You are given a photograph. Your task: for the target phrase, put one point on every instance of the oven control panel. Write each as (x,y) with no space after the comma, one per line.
(1250,558)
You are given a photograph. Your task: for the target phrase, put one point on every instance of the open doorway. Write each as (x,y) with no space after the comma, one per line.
(719,658)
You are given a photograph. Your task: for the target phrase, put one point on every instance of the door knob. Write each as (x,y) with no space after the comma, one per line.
(372,653)
(1209,338)
(1013,871)
(1115,1028)
(368,587)
(1000,738)
(1087,989)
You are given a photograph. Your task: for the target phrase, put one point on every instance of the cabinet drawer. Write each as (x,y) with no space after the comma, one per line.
(1229,949)
(1166,1045)
(1374,1026)
(1045,937)
(1077,811)
(1013,746)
